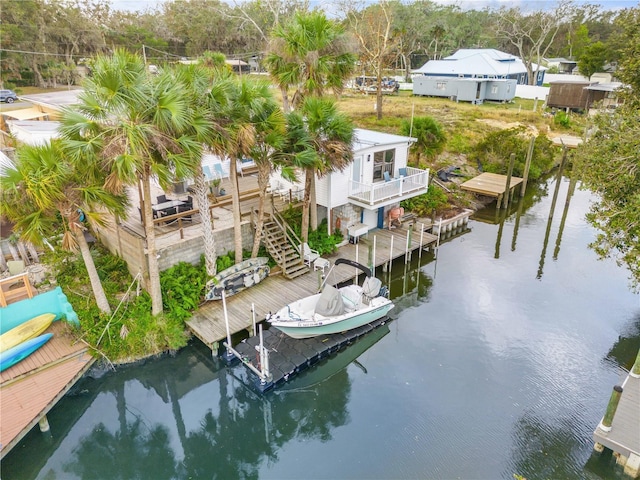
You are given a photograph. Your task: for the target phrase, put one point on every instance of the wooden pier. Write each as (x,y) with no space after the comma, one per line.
(32,387)
(491,185)
(624,435)
(208,324)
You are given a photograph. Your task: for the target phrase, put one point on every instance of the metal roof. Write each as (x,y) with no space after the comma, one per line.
(368,138)
(604,87)
(485,61)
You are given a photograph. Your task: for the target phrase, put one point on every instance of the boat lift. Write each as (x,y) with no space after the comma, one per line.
(263,373)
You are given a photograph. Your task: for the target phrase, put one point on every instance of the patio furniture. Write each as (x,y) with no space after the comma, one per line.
(321,263)
(309,255)
(169,207)
(355,231)
(161,198)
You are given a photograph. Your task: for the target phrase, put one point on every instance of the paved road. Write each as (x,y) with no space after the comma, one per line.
(5,107)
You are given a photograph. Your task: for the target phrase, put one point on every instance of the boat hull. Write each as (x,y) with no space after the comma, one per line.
(313,328)
(237,278)
(22,351)
(25,331)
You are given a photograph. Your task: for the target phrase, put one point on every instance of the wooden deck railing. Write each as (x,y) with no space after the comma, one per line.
(14,288)
(373,193)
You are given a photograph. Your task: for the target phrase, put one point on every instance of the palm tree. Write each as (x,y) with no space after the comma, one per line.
(329,134)
(251,115)
(267,151)
(309,54)
(44,189)
(207,93)
(130,120)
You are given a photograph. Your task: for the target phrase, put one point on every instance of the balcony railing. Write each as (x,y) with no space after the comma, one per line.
(375,193)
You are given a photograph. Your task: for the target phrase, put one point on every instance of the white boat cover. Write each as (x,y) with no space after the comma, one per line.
(371,287)
(330,302)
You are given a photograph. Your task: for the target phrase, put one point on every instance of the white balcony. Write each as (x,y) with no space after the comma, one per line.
(379,194)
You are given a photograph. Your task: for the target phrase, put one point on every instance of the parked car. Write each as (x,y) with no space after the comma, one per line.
(8,96)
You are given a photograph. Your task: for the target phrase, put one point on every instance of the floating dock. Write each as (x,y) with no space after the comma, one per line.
(32,387)
(289,357)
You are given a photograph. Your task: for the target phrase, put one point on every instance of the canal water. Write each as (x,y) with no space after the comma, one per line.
(499,362)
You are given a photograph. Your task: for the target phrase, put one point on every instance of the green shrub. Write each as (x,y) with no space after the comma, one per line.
(182,289)
(430,134)
(494,151)
(427,204)
(319,239)
(131,332)
(562,119)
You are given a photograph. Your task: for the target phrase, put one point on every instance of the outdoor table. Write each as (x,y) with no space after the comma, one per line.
(164,207)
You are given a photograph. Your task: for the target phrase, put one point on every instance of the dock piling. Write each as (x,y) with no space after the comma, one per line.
(228,355)
(605,424)
(635,370)
(44,424)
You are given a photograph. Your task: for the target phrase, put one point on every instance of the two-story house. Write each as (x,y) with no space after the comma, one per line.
(376,181)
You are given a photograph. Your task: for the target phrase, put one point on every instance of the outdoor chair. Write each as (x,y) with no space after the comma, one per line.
(309,255)
(162,198)
(402,172)
(387,177)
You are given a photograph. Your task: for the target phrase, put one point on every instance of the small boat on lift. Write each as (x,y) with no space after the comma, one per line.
(334,310)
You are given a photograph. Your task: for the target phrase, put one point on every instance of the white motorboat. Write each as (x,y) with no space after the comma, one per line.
(334,310)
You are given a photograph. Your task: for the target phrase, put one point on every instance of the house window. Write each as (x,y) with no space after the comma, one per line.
(441,85)
(494,89)
(383,162)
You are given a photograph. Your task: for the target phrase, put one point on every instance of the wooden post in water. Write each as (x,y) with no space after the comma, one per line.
(407,246)
(391,253)
(605,424)
(44,424)
(558,180)
(355,279)
(635,370)
(505,196)
(435,254)
(421,239)
(253,319)
(228,355)
(527,166)
(374,254)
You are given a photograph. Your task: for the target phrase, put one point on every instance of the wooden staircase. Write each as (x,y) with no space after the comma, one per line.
(281,243)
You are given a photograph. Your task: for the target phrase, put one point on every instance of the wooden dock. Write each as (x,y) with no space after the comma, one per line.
(491,185)
(32,387)
(208,325)
(624,437)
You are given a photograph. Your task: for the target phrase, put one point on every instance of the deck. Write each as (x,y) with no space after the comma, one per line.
(208,325)
(490,184)
(33,386)
(624,437)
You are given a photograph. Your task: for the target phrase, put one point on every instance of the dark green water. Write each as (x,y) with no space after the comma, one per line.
(500,360)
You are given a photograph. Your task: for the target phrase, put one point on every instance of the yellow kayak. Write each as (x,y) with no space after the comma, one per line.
(25,331)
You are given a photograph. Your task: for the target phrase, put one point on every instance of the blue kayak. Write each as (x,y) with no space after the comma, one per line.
(22,351)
